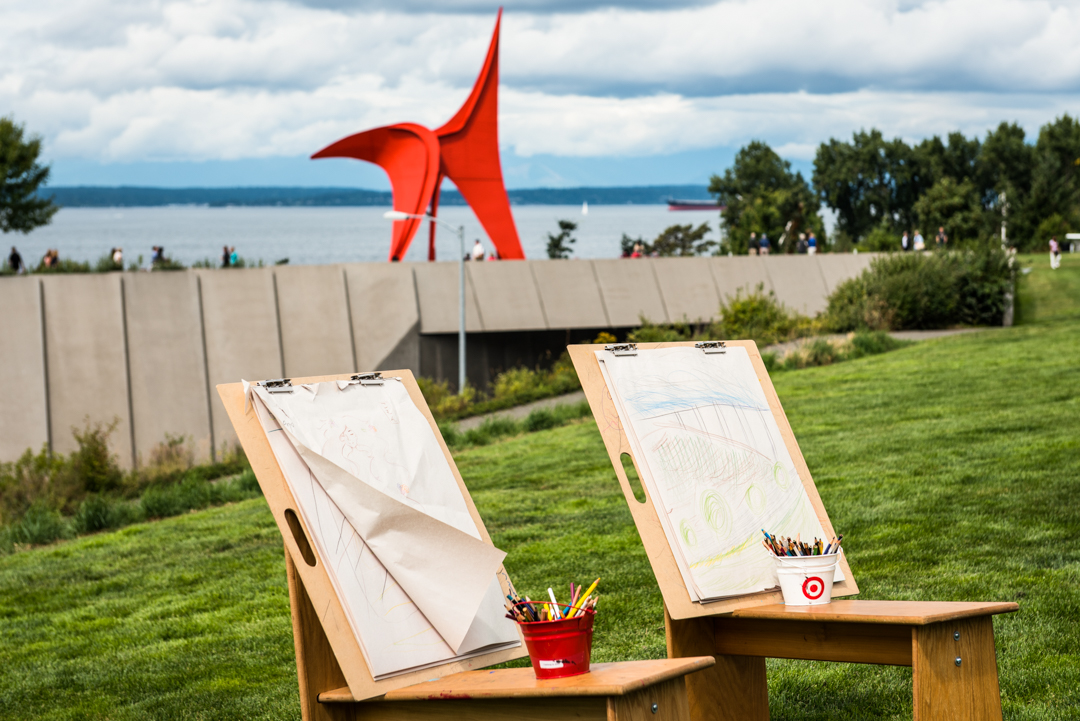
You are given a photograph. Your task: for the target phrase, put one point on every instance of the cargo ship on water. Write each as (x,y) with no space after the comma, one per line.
(674,204)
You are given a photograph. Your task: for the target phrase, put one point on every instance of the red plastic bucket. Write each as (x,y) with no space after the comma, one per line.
(559,648)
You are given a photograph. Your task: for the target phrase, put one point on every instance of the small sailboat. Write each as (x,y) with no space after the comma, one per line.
(585,208)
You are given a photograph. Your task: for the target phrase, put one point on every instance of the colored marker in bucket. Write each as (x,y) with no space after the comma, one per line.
(805,570)
(557,635)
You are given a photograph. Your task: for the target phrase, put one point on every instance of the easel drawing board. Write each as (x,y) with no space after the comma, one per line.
(336,683)
(677,598)
(950,646)
(308,576)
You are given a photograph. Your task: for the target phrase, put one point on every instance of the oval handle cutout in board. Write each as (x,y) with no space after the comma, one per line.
(632,477)
(299,537)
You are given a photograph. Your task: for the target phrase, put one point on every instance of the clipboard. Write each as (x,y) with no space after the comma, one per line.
(319,619)
(677,599)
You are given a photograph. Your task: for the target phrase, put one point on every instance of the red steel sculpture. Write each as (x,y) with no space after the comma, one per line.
(465,149)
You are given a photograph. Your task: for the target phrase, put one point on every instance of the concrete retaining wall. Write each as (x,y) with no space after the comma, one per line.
(148,349)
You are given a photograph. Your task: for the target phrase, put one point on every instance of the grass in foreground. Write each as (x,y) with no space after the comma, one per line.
(951,466)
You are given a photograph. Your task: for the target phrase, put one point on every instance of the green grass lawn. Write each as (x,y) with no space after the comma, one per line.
(951,466)
(1049,294)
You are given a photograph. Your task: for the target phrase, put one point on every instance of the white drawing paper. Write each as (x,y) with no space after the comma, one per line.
(713,460)
(389,522)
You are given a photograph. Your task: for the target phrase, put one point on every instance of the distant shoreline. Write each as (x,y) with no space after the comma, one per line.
(148,197)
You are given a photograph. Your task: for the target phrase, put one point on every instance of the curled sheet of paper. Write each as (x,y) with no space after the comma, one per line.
(376,457)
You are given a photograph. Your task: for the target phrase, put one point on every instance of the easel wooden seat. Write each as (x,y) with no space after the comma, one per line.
(950,646)
(628,691)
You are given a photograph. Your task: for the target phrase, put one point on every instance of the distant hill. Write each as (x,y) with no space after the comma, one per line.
(136,196)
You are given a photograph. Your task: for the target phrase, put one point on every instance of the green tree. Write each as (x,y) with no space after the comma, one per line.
(20,177)
(1055,181)
(872,181)
(762,195)
(954,206)
(683,240)
(558,246)
(1005,166)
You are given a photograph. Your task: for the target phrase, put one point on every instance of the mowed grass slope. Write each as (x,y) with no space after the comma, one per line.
(952,467)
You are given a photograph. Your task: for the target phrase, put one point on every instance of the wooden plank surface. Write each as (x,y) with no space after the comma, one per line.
(604,679)
(317,585)
(676,598)
(910,613)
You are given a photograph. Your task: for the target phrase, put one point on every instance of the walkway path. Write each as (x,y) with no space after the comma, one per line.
(518,412)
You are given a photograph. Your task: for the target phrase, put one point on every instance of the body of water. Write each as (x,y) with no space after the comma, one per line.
(316,235)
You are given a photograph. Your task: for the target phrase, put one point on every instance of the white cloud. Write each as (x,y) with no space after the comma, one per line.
(120,80)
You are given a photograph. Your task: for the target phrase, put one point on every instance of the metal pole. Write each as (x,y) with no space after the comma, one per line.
(461,310)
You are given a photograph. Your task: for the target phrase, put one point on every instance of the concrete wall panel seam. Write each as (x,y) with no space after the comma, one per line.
(539,295)
(348,315)
(127,372)
(206,369)
(600,291)
(45,365)
(660,292)
(277,315)
(470,285)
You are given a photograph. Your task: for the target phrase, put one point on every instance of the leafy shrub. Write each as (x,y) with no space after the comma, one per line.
(649,332)
(98,512)
(759,316)
(27,481)
(39,525)
(64,265)
(917,290)
(105,264)
(881,238)
(93,463)
(511,388)
(540,419)
(822,351)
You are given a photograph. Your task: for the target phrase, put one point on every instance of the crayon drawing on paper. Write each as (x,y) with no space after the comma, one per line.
(711,454)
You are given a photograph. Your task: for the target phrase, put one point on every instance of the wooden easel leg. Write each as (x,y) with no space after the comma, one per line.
(954,671)
(316,667)
(735,689)
(667,698)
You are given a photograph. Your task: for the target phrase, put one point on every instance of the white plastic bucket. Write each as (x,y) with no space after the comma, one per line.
(807,580)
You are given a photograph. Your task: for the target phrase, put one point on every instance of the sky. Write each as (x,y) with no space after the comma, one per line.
(241,92)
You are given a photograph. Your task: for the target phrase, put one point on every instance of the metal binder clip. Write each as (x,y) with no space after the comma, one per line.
(712,346)
(369,379)
(622,348)
(278,385)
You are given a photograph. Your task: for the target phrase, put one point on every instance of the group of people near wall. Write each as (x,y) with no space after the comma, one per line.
(805,245)
(918,243)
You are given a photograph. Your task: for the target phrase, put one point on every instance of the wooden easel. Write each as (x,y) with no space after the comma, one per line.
(335,681)
(950,646)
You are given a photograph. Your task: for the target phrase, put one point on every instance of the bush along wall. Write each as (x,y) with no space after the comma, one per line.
(906,291)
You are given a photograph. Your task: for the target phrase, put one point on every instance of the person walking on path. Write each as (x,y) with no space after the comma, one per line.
(754,246)
(478,250)
(811,243)
(15,262)
(1055,253)
(118,257)
(941,239)
(904,242)
(766,246)
(234,259)
(920,243)
(225,256)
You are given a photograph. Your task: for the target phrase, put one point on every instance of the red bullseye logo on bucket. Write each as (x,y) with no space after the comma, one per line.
(813,587)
